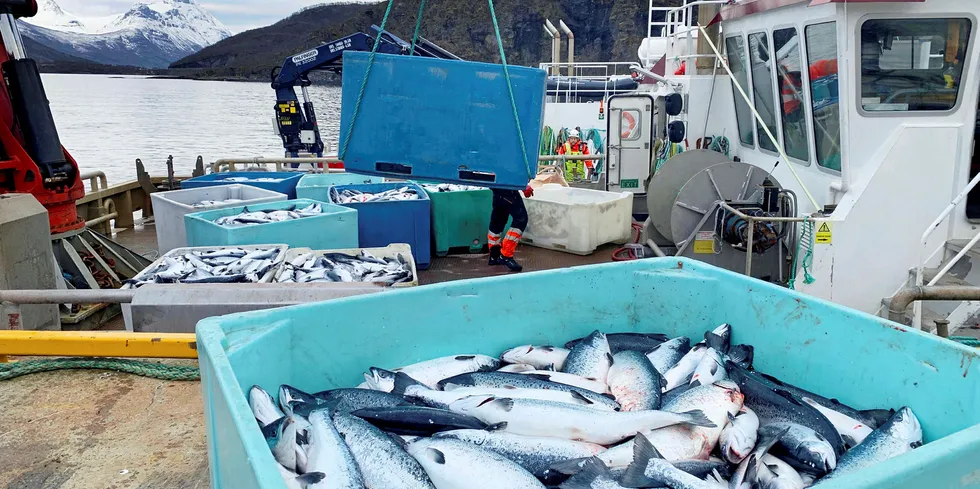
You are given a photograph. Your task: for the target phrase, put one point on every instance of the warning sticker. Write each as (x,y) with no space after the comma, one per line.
(704,243)
(825,233)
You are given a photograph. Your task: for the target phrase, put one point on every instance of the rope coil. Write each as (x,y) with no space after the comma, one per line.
(144,369)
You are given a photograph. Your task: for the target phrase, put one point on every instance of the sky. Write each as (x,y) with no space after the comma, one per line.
(237,15)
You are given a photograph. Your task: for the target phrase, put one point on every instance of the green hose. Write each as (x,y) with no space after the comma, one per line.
(144,369)
(966,340)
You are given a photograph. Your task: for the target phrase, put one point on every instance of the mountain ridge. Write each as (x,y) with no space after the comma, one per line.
(149,35)
(605,30)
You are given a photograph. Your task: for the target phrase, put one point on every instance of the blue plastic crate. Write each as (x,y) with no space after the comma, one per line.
(317,186)
(380,224)
(335,228)
(286,184)
(444,120)
(865,361)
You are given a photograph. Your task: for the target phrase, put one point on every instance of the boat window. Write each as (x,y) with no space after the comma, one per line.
(789,76)
(912,64)
(762,88)
(736,62)
(630,125)
(821,53)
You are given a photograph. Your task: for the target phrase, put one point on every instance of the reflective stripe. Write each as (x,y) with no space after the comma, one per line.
(514,235)
(493,239)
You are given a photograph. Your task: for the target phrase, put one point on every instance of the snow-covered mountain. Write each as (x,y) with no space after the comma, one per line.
(151,35)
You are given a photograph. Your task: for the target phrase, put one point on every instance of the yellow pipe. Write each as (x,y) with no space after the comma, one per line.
(98,344)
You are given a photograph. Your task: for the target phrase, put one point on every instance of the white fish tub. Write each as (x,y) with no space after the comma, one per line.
(389,251)
(267,277)
(576,220)
(169,208)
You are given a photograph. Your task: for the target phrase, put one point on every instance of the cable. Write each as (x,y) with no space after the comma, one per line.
(630,252)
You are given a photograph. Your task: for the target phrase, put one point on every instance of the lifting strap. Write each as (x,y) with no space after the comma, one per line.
(415,37)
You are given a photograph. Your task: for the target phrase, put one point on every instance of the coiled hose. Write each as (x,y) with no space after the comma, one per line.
(626,253)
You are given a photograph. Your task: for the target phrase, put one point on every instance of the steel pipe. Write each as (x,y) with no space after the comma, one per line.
(76,296)
(278,161)
(92,176)
(571,157)
(900,301)
(571,45)
(555,46)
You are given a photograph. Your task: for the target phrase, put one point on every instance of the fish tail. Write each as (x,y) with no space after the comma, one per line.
(591,469)
(697,418)
(643,452)
(310,478)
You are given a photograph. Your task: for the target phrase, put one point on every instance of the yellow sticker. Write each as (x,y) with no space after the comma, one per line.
(825,233)
(704,243)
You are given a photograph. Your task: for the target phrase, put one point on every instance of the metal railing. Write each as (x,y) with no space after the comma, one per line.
(679,23)
(280,163)
(571,76)
(95,178)
(923,260)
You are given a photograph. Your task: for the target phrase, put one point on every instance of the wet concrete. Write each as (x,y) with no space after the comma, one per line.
(97,429)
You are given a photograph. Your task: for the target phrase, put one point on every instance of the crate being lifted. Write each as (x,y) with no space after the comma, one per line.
(442,120)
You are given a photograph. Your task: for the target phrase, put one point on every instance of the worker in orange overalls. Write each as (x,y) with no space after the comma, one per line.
(575,170)
(507,203)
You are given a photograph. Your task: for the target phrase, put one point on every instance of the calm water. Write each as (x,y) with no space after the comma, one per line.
(106,122)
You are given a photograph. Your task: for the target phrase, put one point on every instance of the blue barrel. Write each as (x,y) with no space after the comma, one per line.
(380,224)
(282,182)
(865,361)
(442,120)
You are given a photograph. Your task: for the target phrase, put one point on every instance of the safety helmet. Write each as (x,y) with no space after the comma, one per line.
(573,133)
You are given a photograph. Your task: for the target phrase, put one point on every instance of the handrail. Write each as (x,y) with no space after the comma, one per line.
(920,267)
(92,177)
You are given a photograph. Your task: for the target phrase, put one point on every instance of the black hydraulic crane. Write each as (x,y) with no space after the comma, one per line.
(295,122)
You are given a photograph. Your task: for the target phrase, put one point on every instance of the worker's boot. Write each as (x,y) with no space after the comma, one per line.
(495,258)
(511,263)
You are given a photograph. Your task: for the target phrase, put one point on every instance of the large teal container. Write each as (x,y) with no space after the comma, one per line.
(317,186)
(460,219)
(437,119)
(863,360)
(335,228)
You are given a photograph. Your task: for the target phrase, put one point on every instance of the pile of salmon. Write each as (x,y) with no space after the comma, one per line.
(607,411)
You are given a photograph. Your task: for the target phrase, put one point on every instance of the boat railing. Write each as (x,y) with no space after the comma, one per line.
(679,24)
(601,72)
(924,259)
(303,164)
(97,180)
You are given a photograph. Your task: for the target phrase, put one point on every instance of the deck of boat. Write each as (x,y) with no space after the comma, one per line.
(106,430)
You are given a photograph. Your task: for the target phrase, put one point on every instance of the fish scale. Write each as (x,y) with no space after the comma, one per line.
(383,463)
(455,464)
(534,453)
(590,358)
(634,382)
(328,453)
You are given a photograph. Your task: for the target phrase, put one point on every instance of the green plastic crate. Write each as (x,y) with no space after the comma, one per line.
(863,360)
(460,219)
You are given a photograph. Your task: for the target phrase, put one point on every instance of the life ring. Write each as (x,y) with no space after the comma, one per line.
(631,125)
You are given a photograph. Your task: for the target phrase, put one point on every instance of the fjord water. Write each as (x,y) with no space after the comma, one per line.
(106,121)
